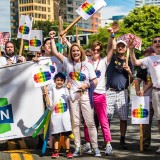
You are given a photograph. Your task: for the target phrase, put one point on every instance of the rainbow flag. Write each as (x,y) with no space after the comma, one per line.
(90,7)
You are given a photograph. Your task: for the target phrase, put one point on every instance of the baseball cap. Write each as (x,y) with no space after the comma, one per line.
(121,41)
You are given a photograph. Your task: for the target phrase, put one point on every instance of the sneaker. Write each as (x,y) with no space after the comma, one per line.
(87,148)
(97,152)
(55,154)
(108,149)
(123,145)
(158,151)
(77,152)
(147,148)
(69,154)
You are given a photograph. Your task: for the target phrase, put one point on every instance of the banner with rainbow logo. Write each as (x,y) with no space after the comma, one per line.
(140,110)
(90,7)
(25,26)
(35,41)
(41,76)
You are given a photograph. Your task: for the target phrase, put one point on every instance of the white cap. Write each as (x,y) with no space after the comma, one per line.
(121,41)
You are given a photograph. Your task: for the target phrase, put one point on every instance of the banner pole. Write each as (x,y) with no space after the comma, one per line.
(141,138)
(21,47)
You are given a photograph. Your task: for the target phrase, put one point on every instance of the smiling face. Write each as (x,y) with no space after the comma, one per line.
(156,44)
(76,54)
(121,48)
(47,47)
(59,82)
(96,53)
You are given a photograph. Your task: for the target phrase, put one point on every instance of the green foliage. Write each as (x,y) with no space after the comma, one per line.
(144,23)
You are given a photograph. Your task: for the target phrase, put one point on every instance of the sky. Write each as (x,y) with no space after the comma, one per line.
(116,7)
(5,16)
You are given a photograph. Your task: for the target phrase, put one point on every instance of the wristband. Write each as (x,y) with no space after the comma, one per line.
(112,35)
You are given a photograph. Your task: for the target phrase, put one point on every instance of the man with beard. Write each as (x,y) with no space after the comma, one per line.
(118,74)
(10,56)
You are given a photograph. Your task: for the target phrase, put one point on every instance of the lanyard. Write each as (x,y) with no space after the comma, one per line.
(97,66)
(74,68)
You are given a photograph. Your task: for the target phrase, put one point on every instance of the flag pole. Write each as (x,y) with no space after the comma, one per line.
(72,24)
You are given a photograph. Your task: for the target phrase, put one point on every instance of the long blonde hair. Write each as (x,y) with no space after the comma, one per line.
(83,56)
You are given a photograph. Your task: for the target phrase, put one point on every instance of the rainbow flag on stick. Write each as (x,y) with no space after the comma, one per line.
(90,7)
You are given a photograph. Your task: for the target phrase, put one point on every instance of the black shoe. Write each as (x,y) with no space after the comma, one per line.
(123,146)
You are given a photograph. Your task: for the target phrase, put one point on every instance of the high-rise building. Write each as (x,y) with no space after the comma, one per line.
(139,3)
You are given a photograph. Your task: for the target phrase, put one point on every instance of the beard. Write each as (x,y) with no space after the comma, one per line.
(10,53)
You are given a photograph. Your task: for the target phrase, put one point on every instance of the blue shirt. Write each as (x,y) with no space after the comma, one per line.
(117,77)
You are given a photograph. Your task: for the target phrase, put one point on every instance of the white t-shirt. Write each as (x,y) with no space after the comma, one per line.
(54,64)
(78,73)
(100,70)
(60,116)
(3,61)
(153,64)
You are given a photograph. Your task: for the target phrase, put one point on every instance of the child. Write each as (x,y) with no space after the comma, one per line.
(60,117)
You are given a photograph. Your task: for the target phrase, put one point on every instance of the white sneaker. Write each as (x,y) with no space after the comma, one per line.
(87,148)
(108,149)
(158,151)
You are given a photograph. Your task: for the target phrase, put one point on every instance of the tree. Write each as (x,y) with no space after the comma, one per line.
(144,23)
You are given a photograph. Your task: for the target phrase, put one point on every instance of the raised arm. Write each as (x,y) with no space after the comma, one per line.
(111,51)
(54,48)
(135,62)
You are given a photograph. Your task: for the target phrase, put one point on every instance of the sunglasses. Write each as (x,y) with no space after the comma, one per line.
(98,50)
(156,41)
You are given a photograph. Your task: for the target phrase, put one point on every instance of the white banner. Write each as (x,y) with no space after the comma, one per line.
(140,110)
(21,104)
(90,7)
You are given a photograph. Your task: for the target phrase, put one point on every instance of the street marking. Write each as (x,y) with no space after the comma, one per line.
(27,156)
(15,156)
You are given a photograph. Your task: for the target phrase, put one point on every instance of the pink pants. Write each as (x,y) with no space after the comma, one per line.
(100,109)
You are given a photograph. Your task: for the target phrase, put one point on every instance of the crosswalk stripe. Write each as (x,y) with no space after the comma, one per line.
(15,156)
(27,156)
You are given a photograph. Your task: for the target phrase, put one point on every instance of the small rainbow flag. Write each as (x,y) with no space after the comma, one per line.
(42,77)
(24,29)
(35,42)
(88,8)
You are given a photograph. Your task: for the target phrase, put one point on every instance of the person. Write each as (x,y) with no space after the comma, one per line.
(79,72)
(60,117)
(10,56)
(156,44)
(99,96)
(118,74)
(88,52)
(55,66)
(152,63)
(144,75)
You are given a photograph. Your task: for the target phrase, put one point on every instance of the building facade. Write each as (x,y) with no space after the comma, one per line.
(140,3)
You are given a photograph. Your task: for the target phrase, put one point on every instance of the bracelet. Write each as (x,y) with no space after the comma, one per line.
(112,35)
